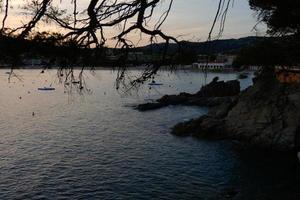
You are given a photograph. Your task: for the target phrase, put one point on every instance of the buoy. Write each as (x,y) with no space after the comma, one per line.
(298,155)
(33,113)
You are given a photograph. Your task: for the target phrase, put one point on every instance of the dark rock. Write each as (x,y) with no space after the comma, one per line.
(187,128)
(265,115)
(204,127)
(173,99)
(197,101)
(297,140)
(149,106)
(214,94)
(221,110)
(220,89)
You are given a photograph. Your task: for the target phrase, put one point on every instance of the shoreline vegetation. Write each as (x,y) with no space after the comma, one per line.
(240,72)
(43,50)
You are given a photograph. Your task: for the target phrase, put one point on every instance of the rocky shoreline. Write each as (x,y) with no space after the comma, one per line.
(266,114)
(214,94)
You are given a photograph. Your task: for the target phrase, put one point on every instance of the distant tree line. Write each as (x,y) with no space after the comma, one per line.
(47,45)
(274,51)
(85,27)
(88,24)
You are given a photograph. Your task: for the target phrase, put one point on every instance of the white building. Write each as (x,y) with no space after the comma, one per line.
(222,62)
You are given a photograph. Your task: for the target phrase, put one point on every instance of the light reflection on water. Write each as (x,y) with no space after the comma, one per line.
(95,146)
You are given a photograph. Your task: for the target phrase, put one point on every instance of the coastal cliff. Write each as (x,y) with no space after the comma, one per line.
(266,114)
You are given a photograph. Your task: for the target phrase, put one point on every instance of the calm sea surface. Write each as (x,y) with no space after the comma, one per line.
(96,146)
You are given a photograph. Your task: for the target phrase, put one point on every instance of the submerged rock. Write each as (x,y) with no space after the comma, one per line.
(149,106)
(174,99)
(203,127)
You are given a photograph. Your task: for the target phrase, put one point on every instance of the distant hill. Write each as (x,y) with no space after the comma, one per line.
(14,51)
(230,46)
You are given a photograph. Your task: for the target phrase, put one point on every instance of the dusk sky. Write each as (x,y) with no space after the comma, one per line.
(190,19)
(193,18)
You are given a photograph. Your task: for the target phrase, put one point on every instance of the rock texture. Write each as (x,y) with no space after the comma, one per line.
(220,88)
(266,114)
(213,94)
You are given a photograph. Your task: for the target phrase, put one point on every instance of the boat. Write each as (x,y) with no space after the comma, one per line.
(46,88)
(155,84)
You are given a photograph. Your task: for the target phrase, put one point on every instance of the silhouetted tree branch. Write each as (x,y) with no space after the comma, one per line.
(88,28)
(5,15)
(281,16)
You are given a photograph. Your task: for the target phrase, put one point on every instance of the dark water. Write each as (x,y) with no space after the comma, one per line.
(95,146)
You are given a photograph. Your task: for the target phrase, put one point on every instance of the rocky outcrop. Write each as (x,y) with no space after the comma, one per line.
(214,94)
(204,127)
(149,106)
(266,114)
(220,89)
(211,125)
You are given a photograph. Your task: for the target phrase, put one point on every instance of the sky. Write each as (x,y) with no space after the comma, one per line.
(193,18)
(189,19)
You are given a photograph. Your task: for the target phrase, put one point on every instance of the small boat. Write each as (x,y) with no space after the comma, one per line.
(46,88)
(155,84)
